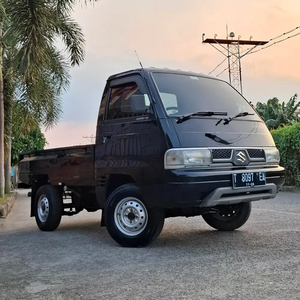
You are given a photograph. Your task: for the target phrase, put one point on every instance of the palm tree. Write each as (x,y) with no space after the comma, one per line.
(36,71)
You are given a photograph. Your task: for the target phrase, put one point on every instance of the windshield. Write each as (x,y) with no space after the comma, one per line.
(186,94)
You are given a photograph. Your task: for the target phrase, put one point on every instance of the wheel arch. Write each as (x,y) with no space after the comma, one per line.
(112,182)
(37,182)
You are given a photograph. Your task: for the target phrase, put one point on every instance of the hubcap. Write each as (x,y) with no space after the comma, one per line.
(131,216)
(227,213)
(43,208)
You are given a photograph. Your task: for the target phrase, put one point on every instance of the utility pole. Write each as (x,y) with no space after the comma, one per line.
(231,48)
(92,137)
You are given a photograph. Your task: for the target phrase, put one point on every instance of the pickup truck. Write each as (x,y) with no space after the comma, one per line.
(168,143)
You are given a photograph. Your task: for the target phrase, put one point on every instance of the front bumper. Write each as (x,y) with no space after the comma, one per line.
(211,187)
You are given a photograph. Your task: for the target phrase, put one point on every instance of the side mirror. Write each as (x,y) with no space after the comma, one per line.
(137,104)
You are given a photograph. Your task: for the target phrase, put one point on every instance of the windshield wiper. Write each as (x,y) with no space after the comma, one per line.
(216,138)
(228,120)
(201,113)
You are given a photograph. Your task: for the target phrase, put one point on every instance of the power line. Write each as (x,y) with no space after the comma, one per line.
(217,65)
(275,38)
(222,71)
(284,33)
(231,49)
(277,42)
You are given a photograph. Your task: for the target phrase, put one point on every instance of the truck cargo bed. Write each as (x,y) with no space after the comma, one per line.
(72,166)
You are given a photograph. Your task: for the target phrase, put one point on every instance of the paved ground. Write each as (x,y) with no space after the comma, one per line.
(188,261)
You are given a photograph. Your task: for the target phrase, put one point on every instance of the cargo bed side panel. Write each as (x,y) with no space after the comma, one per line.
(73,166)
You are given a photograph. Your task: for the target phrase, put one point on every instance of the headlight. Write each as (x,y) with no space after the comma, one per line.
(272,156)
(180,158)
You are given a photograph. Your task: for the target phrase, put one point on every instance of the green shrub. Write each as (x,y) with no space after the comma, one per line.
(287,140)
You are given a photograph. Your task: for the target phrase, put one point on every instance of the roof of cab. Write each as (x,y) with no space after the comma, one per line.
(159,70)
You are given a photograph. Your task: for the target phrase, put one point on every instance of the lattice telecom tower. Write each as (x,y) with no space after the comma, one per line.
(231,48)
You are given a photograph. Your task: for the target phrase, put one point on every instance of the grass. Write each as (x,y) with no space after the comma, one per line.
(2,200)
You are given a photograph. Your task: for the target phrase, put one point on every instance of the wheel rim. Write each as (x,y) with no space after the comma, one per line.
(131,216)
(43,208)
(227,213)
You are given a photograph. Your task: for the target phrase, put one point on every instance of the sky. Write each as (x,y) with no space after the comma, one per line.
(168,34)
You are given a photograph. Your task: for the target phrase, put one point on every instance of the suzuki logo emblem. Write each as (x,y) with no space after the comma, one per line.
(241,157)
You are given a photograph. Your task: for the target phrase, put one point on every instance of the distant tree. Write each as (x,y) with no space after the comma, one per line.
(34,140)
(26,134)
(276,114)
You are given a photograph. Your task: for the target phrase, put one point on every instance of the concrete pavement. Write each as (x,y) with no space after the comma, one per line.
(188,261)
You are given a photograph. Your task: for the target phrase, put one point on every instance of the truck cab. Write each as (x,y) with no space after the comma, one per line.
(171,143)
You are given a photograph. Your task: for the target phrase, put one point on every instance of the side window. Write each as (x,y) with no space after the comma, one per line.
(119,101)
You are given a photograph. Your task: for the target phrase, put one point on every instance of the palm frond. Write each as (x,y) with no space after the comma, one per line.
(68,5)
(23,120)
(72,37)
(41,98)
(39,71)
(2,12)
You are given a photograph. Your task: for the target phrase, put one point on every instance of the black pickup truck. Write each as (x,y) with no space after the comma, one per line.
(168,143)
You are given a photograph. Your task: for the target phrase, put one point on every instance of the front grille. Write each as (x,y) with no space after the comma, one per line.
(256,153)
(221,153)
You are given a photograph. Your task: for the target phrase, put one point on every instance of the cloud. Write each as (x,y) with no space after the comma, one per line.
(169,34)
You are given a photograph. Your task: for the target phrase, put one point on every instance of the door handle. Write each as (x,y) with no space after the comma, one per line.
(106,137)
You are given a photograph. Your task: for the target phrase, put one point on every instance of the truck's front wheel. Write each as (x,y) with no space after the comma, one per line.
(228,217)
(129,221)
(48,207)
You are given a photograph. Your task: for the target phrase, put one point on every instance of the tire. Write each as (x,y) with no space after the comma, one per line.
(129,221)
(48,207)
(229,217)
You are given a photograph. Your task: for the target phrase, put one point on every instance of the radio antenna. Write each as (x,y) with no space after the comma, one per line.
(139,60)
(144,76)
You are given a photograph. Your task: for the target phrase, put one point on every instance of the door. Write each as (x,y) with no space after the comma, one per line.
(129,142)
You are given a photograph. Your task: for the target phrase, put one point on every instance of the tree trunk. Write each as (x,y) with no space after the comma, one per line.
(8,132)
(1,121)
(7,167)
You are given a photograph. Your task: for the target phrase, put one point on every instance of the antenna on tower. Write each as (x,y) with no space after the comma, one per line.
(234,55)
(231,48)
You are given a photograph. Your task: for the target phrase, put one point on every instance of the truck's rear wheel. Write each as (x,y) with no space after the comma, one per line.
(48,207)
(129,221)
(229,217)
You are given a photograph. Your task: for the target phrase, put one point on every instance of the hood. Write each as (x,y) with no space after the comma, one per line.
(203,132)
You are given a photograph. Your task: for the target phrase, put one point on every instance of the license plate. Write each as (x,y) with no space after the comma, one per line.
(248,179)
